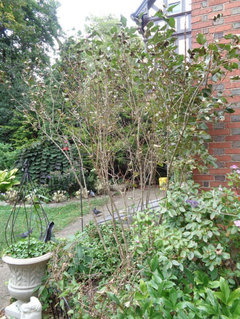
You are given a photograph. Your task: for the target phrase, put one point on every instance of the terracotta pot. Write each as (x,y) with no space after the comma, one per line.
(25,275)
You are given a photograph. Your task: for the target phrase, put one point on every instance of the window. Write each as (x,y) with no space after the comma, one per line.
(181,13)
(176,6)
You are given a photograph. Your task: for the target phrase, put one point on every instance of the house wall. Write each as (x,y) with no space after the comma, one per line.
(225,144)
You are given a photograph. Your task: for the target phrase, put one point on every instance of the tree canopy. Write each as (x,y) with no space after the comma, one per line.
(28,29)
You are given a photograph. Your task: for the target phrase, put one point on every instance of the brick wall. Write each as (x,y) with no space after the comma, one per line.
(225,144)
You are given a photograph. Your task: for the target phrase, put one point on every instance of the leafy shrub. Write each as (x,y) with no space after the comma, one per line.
(85,253)
(59,196)
(92,180)
(80,258)
(36,193)
(205,222)
(8,156)
(8,180)
(174,268)
(11,196)
(162,294)
(234,178)
(84,193)
(65,181)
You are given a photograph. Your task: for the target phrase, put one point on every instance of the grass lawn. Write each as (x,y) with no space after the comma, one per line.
(61,216)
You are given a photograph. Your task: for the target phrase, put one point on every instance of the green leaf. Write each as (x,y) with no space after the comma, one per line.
(201,39)
(113,298)
(139,296)
(171,22)
(235,295)
(225,290)
(143,286)
(175,262)
(123,21)
(182,209)
(154,263)
(229,110)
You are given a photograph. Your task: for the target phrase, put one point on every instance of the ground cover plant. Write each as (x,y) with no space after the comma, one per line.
(61,215)
(29,248)
(187,266)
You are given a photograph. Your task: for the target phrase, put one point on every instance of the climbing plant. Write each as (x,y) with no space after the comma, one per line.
(43,158)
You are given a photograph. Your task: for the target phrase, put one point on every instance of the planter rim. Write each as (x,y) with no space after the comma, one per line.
(26,261)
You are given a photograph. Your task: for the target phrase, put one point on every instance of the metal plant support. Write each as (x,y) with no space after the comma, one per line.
(27,206)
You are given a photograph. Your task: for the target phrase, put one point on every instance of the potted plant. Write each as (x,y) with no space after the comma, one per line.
(27,260)
(27,234)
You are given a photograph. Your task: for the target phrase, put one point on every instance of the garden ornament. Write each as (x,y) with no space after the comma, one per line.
(35,218)
(96,211)
(25,234)
(32,309)
(92,194)
(48,234)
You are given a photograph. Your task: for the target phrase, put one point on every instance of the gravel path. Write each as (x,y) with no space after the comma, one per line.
(131,199)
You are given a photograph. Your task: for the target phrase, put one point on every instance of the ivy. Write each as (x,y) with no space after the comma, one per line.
(43,158)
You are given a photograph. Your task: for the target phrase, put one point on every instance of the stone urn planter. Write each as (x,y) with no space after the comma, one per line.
(25,275)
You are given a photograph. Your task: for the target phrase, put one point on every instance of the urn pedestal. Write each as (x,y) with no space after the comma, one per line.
(25,275)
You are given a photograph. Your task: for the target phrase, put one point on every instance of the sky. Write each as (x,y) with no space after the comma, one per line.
(72,13)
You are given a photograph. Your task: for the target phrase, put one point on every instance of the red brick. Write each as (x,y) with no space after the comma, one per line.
(233,18)
(218,171)
(204,177)
(201,25)
(234,99)
(232,150)
(233,125)
(221,28)
(215,2)
(227,117)
(230,155)
(233,84)
(196,19)
(217,184)
(220,145)
(230,5)
(219,132)
(196,171)
(227,13)
(195,6)
(224,158)
(205,10)
(233,138)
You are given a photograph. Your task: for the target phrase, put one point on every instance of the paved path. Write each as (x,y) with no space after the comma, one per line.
(4,296)
(123,203)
